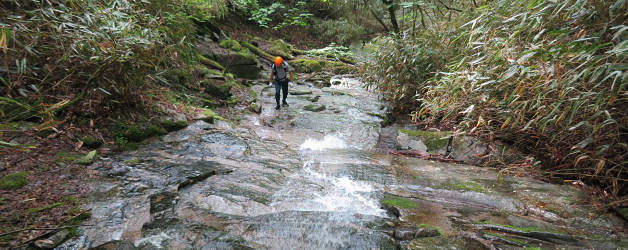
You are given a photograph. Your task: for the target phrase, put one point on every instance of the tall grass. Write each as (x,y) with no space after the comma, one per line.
(59,52)
(548,76)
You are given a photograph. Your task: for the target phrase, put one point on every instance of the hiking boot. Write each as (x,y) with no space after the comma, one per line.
(285,104)
(277,107)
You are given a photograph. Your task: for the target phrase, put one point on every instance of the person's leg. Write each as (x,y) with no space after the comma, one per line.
(277,89)
(285,91)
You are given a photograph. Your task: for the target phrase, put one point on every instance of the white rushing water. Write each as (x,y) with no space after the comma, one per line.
(327,191)
(331,141)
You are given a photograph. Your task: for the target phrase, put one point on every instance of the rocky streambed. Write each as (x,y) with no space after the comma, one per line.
(309,176)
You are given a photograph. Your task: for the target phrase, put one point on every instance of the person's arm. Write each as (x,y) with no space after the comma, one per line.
(272,74)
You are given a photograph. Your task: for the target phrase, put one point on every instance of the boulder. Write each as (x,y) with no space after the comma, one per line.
(306,65)
(424,141)
(235,59)
(281,48)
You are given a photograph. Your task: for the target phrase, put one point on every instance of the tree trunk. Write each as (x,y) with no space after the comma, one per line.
(390,4)
(379,20)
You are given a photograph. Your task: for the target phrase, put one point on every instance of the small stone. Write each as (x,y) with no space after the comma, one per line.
(46,244)
(118,171)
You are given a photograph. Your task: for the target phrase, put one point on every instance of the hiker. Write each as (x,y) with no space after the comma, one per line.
(279,72)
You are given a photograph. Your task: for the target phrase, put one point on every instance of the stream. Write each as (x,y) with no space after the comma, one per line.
(314,176)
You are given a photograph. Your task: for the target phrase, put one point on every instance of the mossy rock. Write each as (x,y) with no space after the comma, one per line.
(231,44)
(208,116)
(347,60)
(314,108)
(344,69)
(205,72)
(90,141)
(255,107)
(434,141)
(257,51)
(170,125)
(306,65)
(138,134)
(281,48)
(88,159)
(221,90)
(14,180)
(209,62)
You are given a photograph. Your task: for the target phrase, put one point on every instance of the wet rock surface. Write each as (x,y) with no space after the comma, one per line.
(297,179)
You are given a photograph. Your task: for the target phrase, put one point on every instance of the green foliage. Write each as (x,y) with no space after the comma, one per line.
(35,210)
(341,31)
(67,51)
(549,76)
(14,180)
(331,51)
(289,14)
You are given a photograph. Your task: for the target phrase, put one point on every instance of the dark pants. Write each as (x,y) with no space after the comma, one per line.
(283,86)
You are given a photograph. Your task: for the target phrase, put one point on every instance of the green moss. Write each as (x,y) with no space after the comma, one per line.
(344,69)
(253,94)
(40,209)
(399,202)
(90,141)
(207,103)
(462,186)
(281,48)
(14,180)
(231,44)
(170,125)
(211,63)
(136,134)
(257,51)
(206,72)
(67,157)
(89,158)
(314,108)
(433,140)
(431,227)
(210,116)
(306,65)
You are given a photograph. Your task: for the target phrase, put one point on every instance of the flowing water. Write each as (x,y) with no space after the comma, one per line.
(299,179)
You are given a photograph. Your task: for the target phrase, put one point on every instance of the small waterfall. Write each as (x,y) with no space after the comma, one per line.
(328,192)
